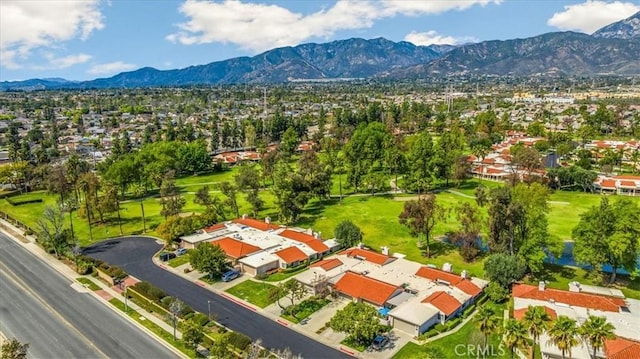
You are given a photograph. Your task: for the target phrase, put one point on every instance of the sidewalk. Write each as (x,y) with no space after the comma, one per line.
(103,295)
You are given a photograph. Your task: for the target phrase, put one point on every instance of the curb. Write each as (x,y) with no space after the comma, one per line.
(72,277)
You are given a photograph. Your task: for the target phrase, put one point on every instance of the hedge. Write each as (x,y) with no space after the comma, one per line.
(146,303)
(238,340)
(26,201)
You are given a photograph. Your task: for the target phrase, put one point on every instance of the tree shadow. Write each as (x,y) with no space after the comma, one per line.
(553,272)
(437,248)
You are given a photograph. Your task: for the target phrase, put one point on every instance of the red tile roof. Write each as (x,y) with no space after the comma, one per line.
(608,184)
(291,255)
(631,184)
(307,239)
(365,288)
(583,300)
(445,303)
(254,223)
(234,248)
(519,313)
(632,178)
(215,227)
(369,256)
(464,285)
(328,264)
(621,348)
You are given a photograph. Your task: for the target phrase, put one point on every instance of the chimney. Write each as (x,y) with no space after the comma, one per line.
(267,220)
(574,286)
(315,235)
(360,245)
(320,235)
(541,286)
(244,216)
(447,267)
(464,274)
(385,250)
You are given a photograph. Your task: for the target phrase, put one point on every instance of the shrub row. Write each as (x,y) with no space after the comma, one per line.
(238,340)
(114,272)
(21,202)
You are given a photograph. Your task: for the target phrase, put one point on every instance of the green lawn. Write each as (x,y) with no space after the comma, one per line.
(306,308)
(178,261)
(88,283)
(253,292)
(446,347)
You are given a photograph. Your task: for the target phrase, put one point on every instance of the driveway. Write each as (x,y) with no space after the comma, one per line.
(134,255)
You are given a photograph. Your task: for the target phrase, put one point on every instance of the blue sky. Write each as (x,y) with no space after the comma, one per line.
(81,40)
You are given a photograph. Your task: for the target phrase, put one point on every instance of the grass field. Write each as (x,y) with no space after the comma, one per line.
(253,292)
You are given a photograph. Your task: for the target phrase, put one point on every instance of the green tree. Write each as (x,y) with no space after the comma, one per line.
(213,204)
(53,236)
(192,334)
(359,320)
(487,321)
(595,331)
(347,234)
(467,234)
(515,336)
(220,349)
(504,269)
(289,141)
(609,234)
(564,335)
(170,198)
(421,168)
(315,174)
(537,321)
(291,191)
(139,191)
(231,192)
(364,152)
(248,180)
(421,216)
(209,258)
(14,349)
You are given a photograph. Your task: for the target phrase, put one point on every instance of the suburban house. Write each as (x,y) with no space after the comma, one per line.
(258,247)
(235,249)
(411,297)
(621,185)
(578,303)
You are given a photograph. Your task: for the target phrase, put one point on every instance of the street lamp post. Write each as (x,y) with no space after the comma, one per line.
(209,309)
(126,304)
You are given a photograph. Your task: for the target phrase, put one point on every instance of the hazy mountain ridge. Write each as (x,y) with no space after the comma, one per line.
(562,53)
(628,28)
(614,49)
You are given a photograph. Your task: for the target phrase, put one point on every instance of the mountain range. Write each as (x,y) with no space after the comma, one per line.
(614,49)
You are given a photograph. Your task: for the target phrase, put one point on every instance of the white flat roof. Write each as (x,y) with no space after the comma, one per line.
(197,237)
(259,259)
(414,312)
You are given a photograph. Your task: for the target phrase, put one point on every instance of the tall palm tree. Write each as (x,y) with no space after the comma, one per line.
(487,322)
(595,331)
(515,335)
(564,335)
(140,191)
(537,321)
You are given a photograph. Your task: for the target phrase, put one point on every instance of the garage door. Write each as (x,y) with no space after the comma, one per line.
(406,327)
(249,270)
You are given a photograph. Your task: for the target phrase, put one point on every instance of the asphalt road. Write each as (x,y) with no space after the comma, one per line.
(134,255)
(39,306)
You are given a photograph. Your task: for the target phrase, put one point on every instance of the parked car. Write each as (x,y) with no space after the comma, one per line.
(181,251)
(380,342)
(166,256)
(230,275)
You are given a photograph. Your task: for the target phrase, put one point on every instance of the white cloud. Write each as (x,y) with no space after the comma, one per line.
(419,7)
(25,25)
(259,27)
(110,68)
(592,15)
(431,37)
(56,63)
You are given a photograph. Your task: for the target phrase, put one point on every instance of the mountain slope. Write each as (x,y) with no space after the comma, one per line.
(628,28)
(563,53)
(352,58)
